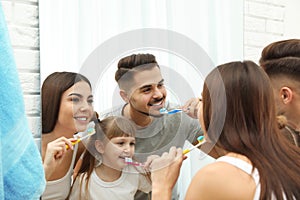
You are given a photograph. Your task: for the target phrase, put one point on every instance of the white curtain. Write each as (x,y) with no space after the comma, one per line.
(71,30)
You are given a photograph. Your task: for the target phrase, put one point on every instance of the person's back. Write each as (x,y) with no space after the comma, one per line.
(281,61)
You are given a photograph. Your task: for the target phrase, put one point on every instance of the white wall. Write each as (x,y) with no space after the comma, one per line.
(265,21)
(291,19)
(23,25)
(263,24)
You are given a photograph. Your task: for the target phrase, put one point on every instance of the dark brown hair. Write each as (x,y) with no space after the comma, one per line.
(249,126)
(52,89)
(282,58)
(128,65)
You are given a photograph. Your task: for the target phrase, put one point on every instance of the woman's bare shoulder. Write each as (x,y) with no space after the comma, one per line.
(221,180)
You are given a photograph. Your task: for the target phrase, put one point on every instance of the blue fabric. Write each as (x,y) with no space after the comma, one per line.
(21,170)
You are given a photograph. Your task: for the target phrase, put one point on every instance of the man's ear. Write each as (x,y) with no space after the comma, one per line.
(99,146)
(286,95)
(124,96)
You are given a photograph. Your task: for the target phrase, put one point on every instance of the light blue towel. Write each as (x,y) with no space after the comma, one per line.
(21,170)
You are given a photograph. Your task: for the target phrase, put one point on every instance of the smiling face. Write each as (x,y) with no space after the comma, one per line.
(76,108)
(115,151)
(148,93)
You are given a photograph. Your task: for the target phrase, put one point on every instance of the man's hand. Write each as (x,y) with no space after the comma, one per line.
(191,107)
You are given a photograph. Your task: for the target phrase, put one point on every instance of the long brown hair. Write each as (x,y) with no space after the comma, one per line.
(248,126)
(52,89)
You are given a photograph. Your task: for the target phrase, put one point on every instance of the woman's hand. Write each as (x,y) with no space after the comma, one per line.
(147,164)
(164,173)
(54,154)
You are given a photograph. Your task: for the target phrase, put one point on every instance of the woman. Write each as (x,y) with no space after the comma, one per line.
(255,160)
(67,108)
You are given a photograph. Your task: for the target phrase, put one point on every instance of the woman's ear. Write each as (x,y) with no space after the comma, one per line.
(286,95)
(99,146)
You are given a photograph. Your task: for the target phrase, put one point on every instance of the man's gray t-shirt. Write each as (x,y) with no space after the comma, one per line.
(158,137)
(162,133)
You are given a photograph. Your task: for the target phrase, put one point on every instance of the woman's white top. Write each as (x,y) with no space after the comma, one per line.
(59,189)
(246,167)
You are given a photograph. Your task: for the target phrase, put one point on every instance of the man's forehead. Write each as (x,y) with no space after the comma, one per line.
(147,78)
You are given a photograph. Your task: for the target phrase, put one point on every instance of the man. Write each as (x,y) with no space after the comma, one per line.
(142,88)
(281,61)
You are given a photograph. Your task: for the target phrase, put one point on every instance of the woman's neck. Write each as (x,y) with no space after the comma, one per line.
(60,131)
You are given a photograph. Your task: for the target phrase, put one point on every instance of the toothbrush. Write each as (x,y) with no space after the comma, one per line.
(89,131)
(129,161)
(200,139)
(165,111)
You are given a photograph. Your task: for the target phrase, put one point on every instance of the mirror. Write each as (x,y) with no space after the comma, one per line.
(188,39)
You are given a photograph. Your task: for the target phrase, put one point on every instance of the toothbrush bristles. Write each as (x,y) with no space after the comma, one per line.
(201,140)
(129,161)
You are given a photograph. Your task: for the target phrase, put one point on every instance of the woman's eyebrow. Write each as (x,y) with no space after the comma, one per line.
(75,94)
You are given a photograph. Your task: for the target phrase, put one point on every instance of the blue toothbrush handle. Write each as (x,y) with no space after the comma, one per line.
(175,111)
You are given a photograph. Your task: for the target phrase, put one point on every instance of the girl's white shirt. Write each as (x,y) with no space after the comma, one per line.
(123,188)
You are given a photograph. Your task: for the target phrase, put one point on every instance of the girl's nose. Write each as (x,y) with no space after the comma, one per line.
(127,148)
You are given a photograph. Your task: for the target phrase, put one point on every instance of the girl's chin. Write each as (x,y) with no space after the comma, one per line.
(116,166)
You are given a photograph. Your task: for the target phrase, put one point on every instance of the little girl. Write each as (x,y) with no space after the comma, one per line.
(104,173)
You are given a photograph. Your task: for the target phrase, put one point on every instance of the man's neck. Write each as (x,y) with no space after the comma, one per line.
(293,124)
(138,118)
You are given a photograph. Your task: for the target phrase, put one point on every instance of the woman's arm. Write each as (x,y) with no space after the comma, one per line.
(54,154)
(164,173)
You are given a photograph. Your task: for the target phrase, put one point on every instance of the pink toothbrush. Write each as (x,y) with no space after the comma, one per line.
(129,161)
